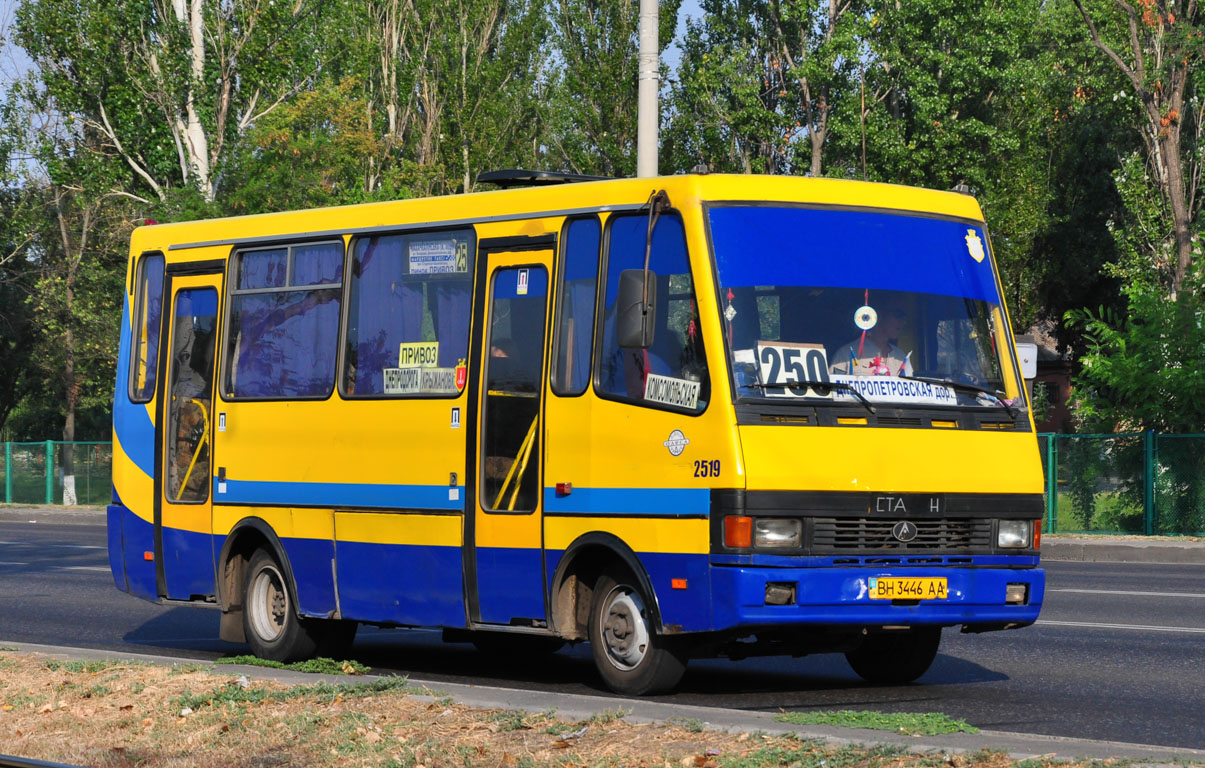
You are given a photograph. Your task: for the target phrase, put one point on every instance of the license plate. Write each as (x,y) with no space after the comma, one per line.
(894,588)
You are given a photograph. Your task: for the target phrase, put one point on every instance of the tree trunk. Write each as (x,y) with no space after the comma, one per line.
(1177,201)
(196,141)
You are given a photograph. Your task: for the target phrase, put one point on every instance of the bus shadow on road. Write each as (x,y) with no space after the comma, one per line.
(179,629)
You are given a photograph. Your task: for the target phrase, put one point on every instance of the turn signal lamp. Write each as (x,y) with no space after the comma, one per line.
(738,532)
(1037,534)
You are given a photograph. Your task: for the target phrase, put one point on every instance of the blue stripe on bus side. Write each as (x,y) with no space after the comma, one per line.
(137,536)
(310,560)
(188,563)
(131,421)
(113,525)
(405,584)
(641,501)
(509,584)
(683,610)
(283,494)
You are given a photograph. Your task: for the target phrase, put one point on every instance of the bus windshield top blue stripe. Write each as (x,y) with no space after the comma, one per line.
(763,245)
(131,422)
(632,501)
(285,494)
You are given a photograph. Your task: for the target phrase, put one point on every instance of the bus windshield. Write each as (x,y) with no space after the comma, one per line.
(884,307)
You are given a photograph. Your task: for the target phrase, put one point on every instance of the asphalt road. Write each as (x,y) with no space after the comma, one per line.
(1119,653)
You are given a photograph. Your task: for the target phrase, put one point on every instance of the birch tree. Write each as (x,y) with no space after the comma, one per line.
(168,84)
(762,81)
(591,109)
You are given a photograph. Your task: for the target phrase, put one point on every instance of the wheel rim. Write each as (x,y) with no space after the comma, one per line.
(268,604)
(625,631)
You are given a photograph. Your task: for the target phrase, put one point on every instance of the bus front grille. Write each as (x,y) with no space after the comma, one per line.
(862,535)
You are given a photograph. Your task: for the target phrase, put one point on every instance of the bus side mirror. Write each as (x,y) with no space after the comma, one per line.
(635,317)
(1027,354)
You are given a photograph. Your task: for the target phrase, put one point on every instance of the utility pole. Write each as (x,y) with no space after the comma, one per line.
(647,113)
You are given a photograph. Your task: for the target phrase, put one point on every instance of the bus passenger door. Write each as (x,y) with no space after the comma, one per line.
(183,523)
(505,556)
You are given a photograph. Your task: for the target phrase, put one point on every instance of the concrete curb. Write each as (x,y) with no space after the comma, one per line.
(1019,746)
(1116,550)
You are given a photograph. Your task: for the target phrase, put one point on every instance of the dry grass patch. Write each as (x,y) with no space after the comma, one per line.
(117,714)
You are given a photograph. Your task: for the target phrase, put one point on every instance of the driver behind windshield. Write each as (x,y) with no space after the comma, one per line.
(875,352)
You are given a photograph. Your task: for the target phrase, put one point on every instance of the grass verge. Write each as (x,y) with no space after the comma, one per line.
(908,723)
(320,665)
(122,715)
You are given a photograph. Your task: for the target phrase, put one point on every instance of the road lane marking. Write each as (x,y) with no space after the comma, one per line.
(8,563)
(1121,592)
(80,568)
(1140,627)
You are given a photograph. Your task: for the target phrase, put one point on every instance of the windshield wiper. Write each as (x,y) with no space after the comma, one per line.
(799,386)
(1008,408)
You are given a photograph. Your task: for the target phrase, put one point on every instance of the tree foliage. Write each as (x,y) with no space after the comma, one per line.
(1076,123)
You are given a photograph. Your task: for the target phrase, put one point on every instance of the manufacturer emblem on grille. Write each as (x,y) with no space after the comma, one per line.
(903,531)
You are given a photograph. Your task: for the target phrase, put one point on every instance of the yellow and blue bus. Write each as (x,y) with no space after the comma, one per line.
(700,415)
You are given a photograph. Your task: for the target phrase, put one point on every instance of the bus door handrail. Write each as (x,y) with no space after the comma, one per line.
(197,452)
(522,457)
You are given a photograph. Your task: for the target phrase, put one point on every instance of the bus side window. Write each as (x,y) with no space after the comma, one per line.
(144,351)
(408,314)
(575,307)
(677,349)
(284,322)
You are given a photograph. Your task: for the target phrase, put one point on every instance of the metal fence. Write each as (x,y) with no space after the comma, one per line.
(32,473)
(1135,483)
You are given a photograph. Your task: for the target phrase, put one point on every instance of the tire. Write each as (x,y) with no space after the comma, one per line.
(631,657)
(895,658)
(515,645)
(274,630)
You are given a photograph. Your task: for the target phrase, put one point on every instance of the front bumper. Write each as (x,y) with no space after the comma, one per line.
(838,596)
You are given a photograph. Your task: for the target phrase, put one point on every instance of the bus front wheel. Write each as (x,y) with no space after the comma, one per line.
(270,621)
(895,658)
(631,657)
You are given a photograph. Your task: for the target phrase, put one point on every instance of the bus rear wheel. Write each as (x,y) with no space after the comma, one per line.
(274,630)
(631,657)
(895,658)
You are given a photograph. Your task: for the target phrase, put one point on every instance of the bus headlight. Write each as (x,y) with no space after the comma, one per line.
(777,533)
(1014,534)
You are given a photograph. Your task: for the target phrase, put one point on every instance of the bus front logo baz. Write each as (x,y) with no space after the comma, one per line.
(903,531)
(676,443)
